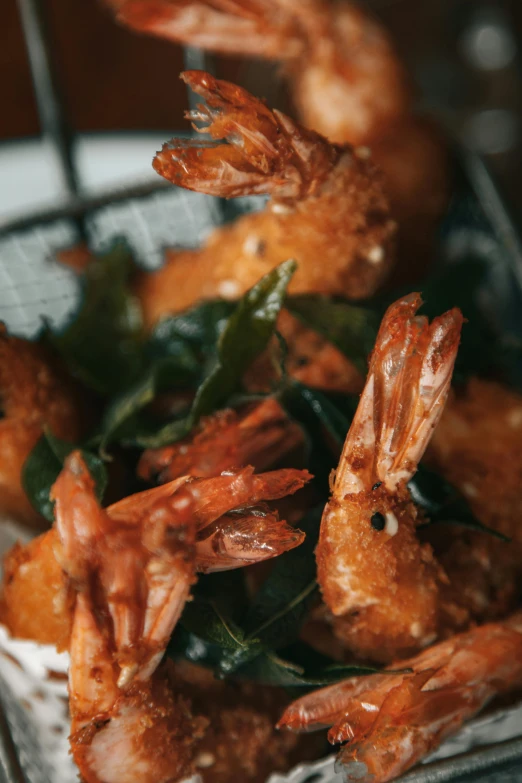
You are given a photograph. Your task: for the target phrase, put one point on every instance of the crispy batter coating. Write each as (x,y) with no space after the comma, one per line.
(240,743)
(328,210)
(476,446)
(347,82)
(36,603)
(378,580)
(35,393)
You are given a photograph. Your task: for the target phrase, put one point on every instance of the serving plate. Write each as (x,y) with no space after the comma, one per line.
(33,733)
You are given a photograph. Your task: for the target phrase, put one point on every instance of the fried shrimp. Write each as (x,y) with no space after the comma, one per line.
(389,721)
(379,582)
(476,446)
(233,528)
(345,77)
(35,394)
(130,584)
(261,436)
(327,208)
(310,358)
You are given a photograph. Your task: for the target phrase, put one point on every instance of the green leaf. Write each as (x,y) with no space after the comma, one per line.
(325,419)
(271,669)
(351,328)
(43,465)
(313,407)
(197,330)
(443,504)
(103,343)
(120,418)
(245,336)
(280,606)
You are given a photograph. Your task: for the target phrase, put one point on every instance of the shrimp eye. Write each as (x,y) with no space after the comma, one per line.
(378,521)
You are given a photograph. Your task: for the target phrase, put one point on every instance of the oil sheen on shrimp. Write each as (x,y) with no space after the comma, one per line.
(327,210)
(346,80)
(380,583)
(35,393)
(389,721)
(233,528)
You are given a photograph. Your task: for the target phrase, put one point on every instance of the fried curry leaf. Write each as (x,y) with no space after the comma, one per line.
(243,336)
(315,409)
(325,418)
(103,344)
(271,669)
(351,328)
(443,503)
(191,335)
(120,421)
(279,608)
(43,465)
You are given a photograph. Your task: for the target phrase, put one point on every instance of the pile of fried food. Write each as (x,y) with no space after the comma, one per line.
(244,543)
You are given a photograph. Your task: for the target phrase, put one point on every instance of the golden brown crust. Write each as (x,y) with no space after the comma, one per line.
(241,743)
(35,598)
(476,446)
(35,393)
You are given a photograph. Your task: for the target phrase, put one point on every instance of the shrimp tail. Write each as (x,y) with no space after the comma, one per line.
(407,386)
(267,153)
(391,720)
(226,441)
(131,584)
(244,27)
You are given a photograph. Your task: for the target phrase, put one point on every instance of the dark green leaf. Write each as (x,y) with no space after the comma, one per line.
(120,418)
(280,606)
(313,407)
(103,343)
(213,614)
(325,419)
(270,669)
(245,336)
(443,503)
(43,465)
(351,328)
(197,330)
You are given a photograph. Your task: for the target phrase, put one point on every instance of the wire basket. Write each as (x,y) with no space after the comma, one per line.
(33,688)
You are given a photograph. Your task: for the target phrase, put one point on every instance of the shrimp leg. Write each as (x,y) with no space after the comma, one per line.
(131,584)
(379,582)
(226,441)
(390,721)
(232,528)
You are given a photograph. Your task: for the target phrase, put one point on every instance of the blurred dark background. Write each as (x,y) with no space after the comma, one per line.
(465,55)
